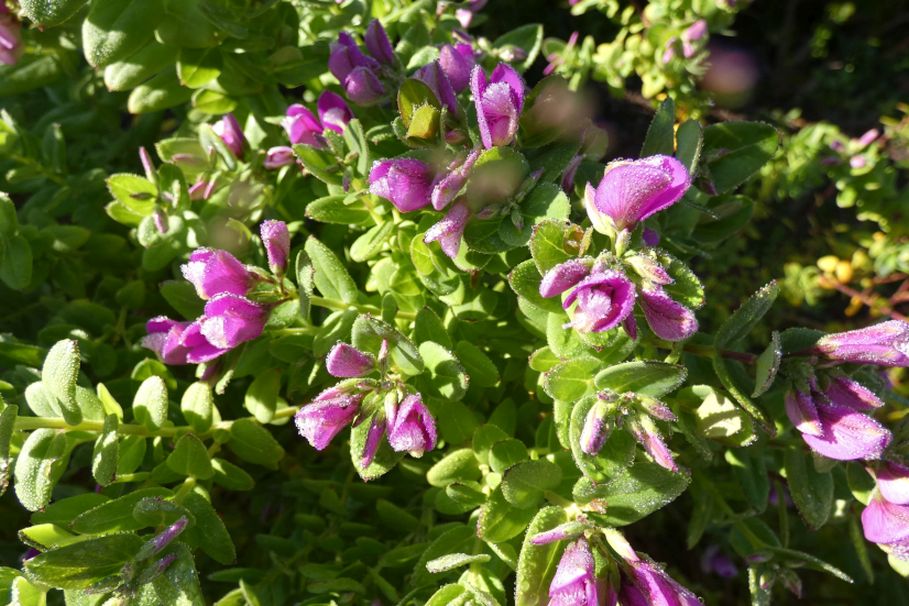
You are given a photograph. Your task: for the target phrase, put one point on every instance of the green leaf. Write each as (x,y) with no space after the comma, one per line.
(546,201)
(368,333)
(457,466)
(341,209)
(371,243)
(750,472)
(330,276)
(537,563)
(107,452)
(453,561)
(8,416)
(181,295)
(689,140)
(481,370)
(79,565)
(571,380)
(50,12)
(747,316)
(528,38)
(523,484)
(190,458)
(645,377)
(614,457)
(639,491)
(413,95)
(428,326)
(319,163)
(525,282)
(722,370)
(16,263)
(262,395)
(554,242)
(116,515)
(446,374)
(458,538)
(500,521)
(198,67)
(39,466)
(209,531)
(197,405)
(660,137)
(733,151)
(254,444)
(177,586)
(116,28)
(230,476)
(718,418)
(150,403)
(385,458)
(163,91)
(138,67)
(136,193)
(59,375)
(767,365)
(686,288)
(812,491)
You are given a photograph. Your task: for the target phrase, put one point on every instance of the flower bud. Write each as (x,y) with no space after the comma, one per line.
(457,62)
(331,411)
(649,269)
(498,102)
(276,239)
(449,230)
(279,156)
(884,344)
(345,55)
(413,428)
(302,126)
(647,580)
(363,87)
(10,39)
(893,483)
(373,440)
(646,433)
(164,338)
(378,44)
(214,271)
(562,532)
(667,318)
(449,186)
(564,276)
(433,76)
(597,427)
(406,182)
(575,582)
(230,320)
(231,133)
(333,112)
(347,361)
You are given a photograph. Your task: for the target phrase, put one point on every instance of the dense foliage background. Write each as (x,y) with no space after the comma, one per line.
(790,117)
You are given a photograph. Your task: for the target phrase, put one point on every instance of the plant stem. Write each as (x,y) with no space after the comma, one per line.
(366,309)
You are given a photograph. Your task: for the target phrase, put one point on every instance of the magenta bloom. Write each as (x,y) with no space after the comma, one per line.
(214,271)
(10,38)
(230,320)
(652,442)
(648,584)
(632,191)
(363,87)
(322,419)
(433,76)
(833,426)
(378,44)
(345,56)
(887,524)
(405,182)
(603,299)
(563,276)
(279,156)
(696,31)
(668,319)
(575,582)
(499,102)
(884,344)
(893,483)
(302,126)
(596,430)
(412,428)
(448,187)
(198,348)
(457,62)
(231,133)
(347,361)
(449,230)
(276,239)
(164,338)
(334,112)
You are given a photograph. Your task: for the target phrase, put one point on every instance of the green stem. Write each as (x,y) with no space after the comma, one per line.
(336,305)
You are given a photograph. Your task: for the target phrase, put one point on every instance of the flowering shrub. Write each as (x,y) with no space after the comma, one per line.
(350,302)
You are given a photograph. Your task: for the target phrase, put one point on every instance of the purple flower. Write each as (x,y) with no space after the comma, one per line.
(347,361)
(378,44)
(887,524)
(230,320)
(499,102)
(276,239)
(331,411)
(448,231)
(198,348)
(649,437)
(668,319)
(345,56)
(562,532)
(696,31)
(405,182)
(457,62)
(632,191)
(650,237)
(433,76)
(214,271)
(563,276)
(448,187)
(333,111)
(893,482)
(603,299)
(648,584)
(575,582)
(831,424)
(868,138)
(279,156)
(412,428)
(201,190)
(597,428)
(373,440)
(884,344)
(231,133)
(164,338)
(10,39)
(302,126)
(363,87)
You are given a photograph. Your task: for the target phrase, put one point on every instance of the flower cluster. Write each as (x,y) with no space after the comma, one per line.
(600,290)
(304,127)
(885,520)
(360,74)
(405,422)
(229,317)
(640,581)
(830,411)
(694,33)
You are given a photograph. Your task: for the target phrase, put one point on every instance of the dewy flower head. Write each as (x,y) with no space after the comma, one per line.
(884,344)
(412,429)
(498,102)
(667,318)
(230,320)
(276,239)
(363,87)
(378,44)
(347,361)
(448,187)
(457,62)
(279,156)
(214,271)
(887,524)
(406,182)
(334,113)
(231,133)
(648,581)
(164,338)
(331,411)
(575,582)
(603,299)
(631,191)
(449,230)
(302,126)
(345,55)
(893,482)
